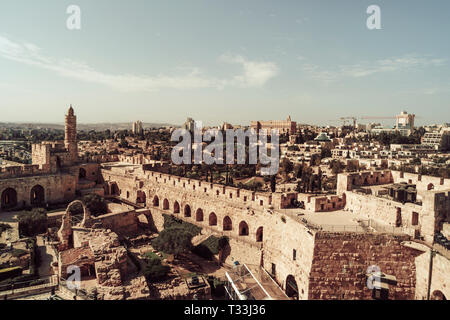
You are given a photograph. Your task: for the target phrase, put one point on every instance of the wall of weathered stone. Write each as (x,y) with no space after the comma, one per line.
(440,281)
(422,182)
(57,188)
(341,260)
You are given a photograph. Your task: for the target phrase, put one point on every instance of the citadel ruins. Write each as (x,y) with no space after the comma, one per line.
(383,218)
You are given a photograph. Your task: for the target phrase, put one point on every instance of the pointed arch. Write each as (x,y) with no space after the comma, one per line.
(165,204)
(155,201)
(227,224)
(243,228)
(176,207)
(37,195)
(212,219)
(187,211)
(259,234)
(199,215)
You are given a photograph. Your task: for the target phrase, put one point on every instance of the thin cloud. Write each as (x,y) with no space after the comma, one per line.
(365,69)
(255,74)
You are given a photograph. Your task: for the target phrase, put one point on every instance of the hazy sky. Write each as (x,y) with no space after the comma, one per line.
(215,61)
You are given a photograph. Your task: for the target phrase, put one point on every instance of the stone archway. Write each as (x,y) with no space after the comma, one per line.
(243,228)
(9,198)
(227,224)
(199,215)
(155,201)
(114,189)
(65,233)
(37,195)
(82,173)
(187,211)
(165,204)
(291,287)
(176,207)
(438,295)
(259,234)
(212,219)
(141,197)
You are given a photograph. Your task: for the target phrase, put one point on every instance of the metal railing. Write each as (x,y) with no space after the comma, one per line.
(40,283)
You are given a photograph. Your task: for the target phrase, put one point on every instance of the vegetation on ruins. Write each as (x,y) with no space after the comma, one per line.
(171,222)
(4,227)
(176,238)
(154,269)
(210,247)
(174,241)
(32,222)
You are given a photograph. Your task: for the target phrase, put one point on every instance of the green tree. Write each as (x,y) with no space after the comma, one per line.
(32,222)
(173,241)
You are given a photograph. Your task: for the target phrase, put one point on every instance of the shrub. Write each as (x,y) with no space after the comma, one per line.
(211,246)
(4,227)
(173,241)
(32,222)
(172,222)
(154,270)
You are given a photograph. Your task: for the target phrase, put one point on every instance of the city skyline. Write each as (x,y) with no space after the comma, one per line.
(218,62)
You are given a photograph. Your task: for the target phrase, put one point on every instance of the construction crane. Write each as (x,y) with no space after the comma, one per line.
(376,118)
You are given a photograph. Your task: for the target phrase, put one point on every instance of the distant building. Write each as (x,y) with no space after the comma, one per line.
(437,140)
(283,126)
(189,125)
(138,129)
(322,137)
(405,121)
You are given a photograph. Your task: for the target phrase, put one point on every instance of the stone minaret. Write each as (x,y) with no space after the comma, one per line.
(70,139)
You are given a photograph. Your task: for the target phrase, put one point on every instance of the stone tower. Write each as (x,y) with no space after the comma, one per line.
(70,139)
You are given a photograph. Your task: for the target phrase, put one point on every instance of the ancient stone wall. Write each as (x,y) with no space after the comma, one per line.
(346,181)
(324,203)
(341,260)
(422,182)
(440,281)
(387,211)
(57,188)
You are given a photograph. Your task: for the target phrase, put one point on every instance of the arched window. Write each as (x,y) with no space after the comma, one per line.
(187,211)
(82,173)
(141,197)
(155,201)
(37,195)
(165,204)
(243,228)
(176,207)
(199,215)
(259,234)
(9,198)
(212,219)
(291,287)
(227,224)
